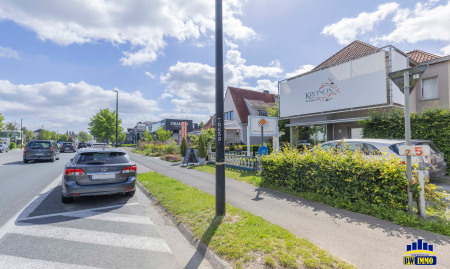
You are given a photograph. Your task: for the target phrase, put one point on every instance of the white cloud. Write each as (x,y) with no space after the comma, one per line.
(166,95)
(302,69)
(150,74)
(67,106)
(231,44)
(193,84)
(140,24)
(346,30)
(8,53)
(425,22)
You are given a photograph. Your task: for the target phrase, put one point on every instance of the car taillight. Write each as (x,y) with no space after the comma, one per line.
(129,169)
(74,172)
(24,149)
(51,150)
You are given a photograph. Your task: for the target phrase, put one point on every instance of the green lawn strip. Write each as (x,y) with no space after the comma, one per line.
(436,223)
(245,176)
(241,238)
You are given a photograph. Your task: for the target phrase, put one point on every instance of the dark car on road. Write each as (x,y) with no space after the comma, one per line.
(82,145)
(41,150)
(68,147)
(4,148)
(98,171)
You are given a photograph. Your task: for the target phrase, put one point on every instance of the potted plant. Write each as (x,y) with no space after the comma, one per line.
(201,151)
(183,148)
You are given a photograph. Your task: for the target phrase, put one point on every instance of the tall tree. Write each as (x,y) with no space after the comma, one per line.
(44,135)
(11,127)
(28,135)
(103,125)
(201,124)
(163,135)
(84,136)
(1,121)
(147,136)
(122,136)
(64,137)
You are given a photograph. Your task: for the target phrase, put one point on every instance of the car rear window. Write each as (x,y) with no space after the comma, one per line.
(433,148)
(107,157)
(67,143)
(39,145)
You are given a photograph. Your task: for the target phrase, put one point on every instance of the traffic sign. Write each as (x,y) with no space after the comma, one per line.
(414,150)
(415,73)
(263,150)
(262,122)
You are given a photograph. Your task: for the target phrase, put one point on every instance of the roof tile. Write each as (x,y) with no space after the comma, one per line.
(238,96)
(421,56)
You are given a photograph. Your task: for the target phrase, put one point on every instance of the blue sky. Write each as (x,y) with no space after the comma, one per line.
(60,60)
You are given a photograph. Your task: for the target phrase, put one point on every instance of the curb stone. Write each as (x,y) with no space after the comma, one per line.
(215,261)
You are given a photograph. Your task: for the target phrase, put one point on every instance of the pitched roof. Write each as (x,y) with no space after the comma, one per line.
(238,96)
(208,125)
(351,50)
(421,56)
(260,103)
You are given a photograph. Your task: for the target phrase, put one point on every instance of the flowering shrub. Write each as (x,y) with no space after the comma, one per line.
(157,148)
(171,158)
(349,176)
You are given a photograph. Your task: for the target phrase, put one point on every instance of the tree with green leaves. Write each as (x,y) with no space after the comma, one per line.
(209,136)
(147,136)
(1,121)
(273,112)
(84,136)
(64,137)
(201,124)
(122,136)
(201,148)
(44,135)
(11,127)
(183,147)
(103,125)
(27,135)
(163,135)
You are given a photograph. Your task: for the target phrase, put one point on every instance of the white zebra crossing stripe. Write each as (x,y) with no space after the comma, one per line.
(13,262)
(94,237)
(90,214)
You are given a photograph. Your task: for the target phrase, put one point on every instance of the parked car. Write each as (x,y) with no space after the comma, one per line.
(68,146)
(95,171)
(41,150)
(82,145)
(375,147)
(100,145)
(4,148)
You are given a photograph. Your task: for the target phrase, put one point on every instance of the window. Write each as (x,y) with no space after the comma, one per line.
(372,150)
(106,157)
(228,115)
(352,146)
(329,146)
(430,88)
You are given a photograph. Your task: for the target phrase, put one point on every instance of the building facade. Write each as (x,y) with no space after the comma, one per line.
(173,125)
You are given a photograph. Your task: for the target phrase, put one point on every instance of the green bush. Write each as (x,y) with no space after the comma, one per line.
(183,147)
(128,145)
(201,148)
(157,148)
(432,124)
(12,145)
(349,176)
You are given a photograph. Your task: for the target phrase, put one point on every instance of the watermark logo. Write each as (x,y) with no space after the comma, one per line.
(325,93)
(419,253)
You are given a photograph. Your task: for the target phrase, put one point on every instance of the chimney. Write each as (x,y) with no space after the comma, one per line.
(265,91)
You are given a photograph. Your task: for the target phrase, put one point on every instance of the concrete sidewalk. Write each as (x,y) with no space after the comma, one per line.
(362,240)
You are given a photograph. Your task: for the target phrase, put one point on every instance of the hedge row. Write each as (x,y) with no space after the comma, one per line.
(432,124)
(253,148)
(350,176)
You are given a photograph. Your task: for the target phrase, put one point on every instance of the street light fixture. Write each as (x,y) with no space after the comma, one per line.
(21,134)
(117,111)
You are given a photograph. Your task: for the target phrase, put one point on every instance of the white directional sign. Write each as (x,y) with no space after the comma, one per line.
(270,125)
(414,150)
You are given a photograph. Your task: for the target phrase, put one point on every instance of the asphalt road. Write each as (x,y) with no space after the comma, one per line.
(113,231)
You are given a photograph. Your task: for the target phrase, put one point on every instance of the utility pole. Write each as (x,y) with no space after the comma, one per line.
(220,148)
(117,112)
(21,134)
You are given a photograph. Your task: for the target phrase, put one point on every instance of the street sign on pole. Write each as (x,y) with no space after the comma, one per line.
(415,73)
(406,80)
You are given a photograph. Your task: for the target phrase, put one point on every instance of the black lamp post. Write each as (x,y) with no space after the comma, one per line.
(117,112)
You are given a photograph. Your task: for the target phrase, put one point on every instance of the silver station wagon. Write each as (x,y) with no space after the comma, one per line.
(375,147)
(98,171)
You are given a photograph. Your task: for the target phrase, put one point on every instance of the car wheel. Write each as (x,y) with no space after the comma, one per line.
(67,200)
(130,193)
(25,161)
(53,159)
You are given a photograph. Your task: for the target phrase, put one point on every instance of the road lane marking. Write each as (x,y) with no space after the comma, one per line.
(90,214)
(29,207)
(8,261)
(94,237)
(84,211)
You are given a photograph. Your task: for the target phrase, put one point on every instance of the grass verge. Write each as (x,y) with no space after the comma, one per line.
(438,223)
(243,239)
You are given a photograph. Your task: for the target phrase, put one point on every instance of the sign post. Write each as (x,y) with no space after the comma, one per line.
(406,80)
(183,130)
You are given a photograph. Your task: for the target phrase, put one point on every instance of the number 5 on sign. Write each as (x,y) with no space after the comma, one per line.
(415,150)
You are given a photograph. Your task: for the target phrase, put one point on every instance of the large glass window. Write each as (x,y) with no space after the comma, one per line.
(430,88)
(228,115)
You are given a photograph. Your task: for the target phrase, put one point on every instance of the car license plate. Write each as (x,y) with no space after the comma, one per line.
(104,176)
(39,154)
